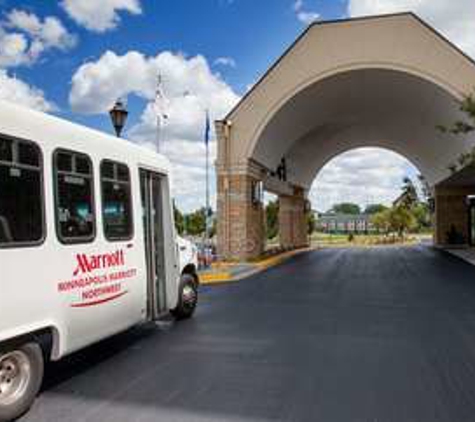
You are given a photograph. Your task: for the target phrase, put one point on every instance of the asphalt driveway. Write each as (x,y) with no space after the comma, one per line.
(383,334)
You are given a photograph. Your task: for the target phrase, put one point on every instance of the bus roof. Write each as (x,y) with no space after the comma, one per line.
(45,129)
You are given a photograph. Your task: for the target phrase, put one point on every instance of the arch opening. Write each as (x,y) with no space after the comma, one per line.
(356,193)
(363,175)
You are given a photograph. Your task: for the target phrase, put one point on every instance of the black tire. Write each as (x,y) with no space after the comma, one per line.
(17,400)
(187,297)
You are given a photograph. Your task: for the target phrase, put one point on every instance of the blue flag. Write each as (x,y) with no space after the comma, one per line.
(207,129)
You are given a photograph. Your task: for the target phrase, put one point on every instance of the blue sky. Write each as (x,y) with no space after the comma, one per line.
(75,57)
(253,33)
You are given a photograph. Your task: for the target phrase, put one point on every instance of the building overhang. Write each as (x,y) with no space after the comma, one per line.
(385,81)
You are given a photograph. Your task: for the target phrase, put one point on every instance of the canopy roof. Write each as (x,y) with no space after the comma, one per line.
(384,81)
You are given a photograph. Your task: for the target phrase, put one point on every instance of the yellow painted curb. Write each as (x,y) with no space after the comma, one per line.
(226,277)
(214,278)
(274,260)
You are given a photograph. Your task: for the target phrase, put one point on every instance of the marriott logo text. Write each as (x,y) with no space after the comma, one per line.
(89,263)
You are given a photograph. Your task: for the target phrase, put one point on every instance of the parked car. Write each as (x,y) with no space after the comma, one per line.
(187,256)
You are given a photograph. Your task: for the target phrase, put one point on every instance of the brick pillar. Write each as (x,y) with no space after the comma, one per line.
(451,212)
(293,220)
(241,228)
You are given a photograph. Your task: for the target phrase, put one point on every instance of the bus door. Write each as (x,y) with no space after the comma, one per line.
(152,206)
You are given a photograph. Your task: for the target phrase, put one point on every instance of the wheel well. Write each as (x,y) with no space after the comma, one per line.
(47,338)
(191,269)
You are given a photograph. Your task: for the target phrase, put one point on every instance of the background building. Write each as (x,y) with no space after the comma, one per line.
(344,223)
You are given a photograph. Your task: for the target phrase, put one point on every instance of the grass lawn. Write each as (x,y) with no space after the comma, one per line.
(342,240)
(329,239)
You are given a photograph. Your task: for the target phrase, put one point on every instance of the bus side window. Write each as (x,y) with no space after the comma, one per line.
(74,187)
(21,193)
(116,201)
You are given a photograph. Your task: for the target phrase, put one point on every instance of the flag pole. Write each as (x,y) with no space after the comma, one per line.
(207,134)
(159,110)
(159,130)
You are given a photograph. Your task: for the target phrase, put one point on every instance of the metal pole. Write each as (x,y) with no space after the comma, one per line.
(159,110)
(207,189)
(159,131)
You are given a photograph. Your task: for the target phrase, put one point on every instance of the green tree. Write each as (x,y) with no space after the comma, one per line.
(179,219)
(406,215)
(196,222)
(401,220)
(463,127)
(409,197)
(375,209)
(423,216)
(381,221)
(346,208)
(397,219)
(311,222)
(425,189)
(272,219)
(410,200)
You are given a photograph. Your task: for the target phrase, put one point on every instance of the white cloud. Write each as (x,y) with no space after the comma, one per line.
(225,61)
(190,88)
(188,170)
(19,92)
(188,83)
(13,49)
(303,15)
(363,176)
(24,37)
(100,15)
(46,34)
(455,19)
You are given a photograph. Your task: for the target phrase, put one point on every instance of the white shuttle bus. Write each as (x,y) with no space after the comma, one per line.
(87,245)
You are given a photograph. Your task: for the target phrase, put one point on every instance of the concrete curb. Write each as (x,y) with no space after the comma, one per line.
(226,277)
(466,254)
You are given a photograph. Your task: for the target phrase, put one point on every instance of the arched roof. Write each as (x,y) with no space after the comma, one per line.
(381,81)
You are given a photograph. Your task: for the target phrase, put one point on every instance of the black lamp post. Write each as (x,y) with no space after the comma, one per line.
(118,115)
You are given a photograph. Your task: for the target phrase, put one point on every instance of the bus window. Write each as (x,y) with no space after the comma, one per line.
(116,201)
(75,220)
(21,193)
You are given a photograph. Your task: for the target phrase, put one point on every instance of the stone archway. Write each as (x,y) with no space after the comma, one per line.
(382,81)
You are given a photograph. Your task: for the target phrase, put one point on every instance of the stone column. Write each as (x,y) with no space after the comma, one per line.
(451,216)
(293,220)
(241,227)
(240,218)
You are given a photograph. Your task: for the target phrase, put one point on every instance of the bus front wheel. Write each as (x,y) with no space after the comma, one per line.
(188,297)
(21,375)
